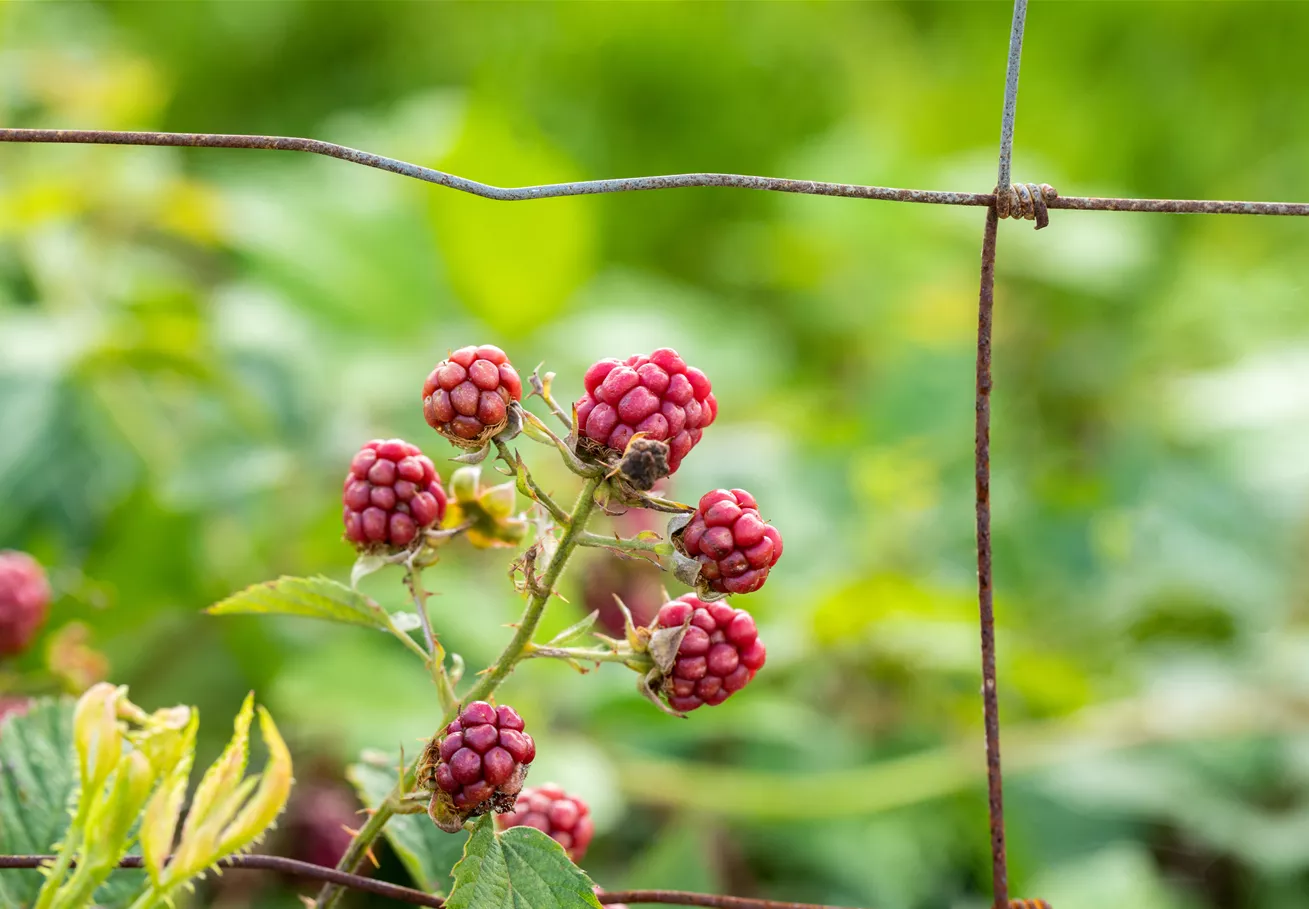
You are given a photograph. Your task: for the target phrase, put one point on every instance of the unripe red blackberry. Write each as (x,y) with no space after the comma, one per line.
(564,818)
(658,395)
(24,600)
(480,760)
(467,397)
(718,656)
(733,544)
(391,495)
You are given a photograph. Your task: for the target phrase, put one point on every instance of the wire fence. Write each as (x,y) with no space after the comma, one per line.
(1025,201)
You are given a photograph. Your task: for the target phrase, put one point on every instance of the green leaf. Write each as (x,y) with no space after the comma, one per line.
(426,852)
(37,776)
(521,868)
(313,598)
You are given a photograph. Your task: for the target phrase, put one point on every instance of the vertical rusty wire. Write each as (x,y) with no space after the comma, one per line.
(982,465)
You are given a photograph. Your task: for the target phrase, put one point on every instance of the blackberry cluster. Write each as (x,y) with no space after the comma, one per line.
(24,600)
(481,759)
(658,395)
(564,818)
(467,397)
(733,544)
(391,495)
(718,656)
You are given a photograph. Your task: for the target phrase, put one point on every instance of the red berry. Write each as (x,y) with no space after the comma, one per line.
(24,600)
(734,546)
(467,397)
(391,495)
(564,818)
(719,655)
(658,395)
(480,760)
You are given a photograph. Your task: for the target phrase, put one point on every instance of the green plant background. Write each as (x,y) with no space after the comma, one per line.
(193,343)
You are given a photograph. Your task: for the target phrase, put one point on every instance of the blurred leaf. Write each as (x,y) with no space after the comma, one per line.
(680,857)
(521,868)
(427,853)
(313,598)
(513,265)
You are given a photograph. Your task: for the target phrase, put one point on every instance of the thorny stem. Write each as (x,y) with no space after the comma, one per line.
(541,388)
(571,460)
(435,652)
(527,484)
(513,652)
(585,655)
(659,503)
(515,649)
(629,544)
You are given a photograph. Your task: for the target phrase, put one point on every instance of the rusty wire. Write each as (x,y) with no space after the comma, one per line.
(628,184)
(1004,206)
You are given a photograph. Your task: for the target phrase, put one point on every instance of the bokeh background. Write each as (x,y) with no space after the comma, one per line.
(194,342)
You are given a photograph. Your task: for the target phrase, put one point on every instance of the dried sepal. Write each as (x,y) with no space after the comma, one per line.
(649,685)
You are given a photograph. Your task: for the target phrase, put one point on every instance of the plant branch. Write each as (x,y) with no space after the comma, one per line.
(585,655)
(571,460)
(541,388)
(418,897)
(527,484)
(435,652)
(522,638)
(628,544)
(272,863)
(508,658)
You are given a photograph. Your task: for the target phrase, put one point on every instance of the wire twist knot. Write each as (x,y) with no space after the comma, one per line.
(1026,201)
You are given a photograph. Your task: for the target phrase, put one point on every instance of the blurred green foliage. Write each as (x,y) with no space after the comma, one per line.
(193,344)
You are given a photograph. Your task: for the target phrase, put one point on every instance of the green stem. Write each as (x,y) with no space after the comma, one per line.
(435,657)
(81,887)
(404,638)
(536,605)
(585,655)
(513,652)
(527,484)
(600,541)
(571,461)
(149,899)
(72,840)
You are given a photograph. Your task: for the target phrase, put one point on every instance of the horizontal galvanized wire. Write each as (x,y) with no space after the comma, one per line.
(628,184)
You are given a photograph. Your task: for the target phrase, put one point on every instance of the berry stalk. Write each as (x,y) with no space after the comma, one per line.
(514,651)
(435,657)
